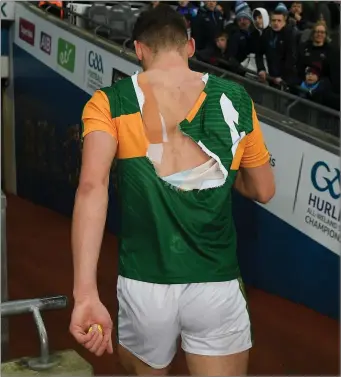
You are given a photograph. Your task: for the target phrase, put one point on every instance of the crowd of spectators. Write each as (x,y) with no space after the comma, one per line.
(292,46)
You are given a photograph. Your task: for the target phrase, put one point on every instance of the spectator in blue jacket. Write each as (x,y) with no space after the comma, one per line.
(206,25)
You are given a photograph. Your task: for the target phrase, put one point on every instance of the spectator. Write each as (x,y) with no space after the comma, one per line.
(277,44)
(261,19)
(296,16)
(315,88)
(154,3)
(315,51)
(217,56)
(226,14)
(241,42)
(281,8)
(221,43)
(187,9)
(311,82)
(206,25)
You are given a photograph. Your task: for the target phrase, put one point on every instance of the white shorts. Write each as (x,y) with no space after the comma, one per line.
(212,319)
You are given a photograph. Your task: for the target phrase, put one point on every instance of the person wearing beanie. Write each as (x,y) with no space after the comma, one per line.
(244,16)
(316,88)
(281,8)
(240,6)
(312,79)
(241,43)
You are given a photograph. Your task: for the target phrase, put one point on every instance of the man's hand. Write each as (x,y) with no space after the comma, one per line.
(86,313)
(278,80)
(262,76)
(297,16)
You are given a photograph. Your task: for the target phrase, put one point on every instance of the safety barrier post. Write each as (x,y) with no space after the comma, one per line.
(62,363)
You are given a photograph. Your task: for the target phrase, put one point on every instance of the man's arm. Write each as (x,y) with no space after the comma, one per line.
(255,179)
(260,51)
(91,201)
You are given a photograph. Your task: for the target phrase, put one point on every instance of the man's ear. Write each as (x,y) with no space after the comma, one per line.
(191,47)
(138,50)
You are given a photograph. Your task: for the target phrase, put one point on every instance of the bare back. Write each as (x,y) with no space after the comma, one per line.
(170,96)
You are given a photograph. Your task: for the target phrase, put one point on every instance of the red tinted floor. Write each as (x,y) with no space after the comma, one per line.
(290,339)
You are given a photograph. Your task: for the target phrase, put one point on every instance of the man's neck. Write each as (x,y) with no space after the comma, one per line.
(168,60)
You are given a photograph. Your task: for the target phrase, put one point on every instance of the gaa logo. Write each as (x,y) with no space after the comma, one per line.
(95,61)
(324,179)
(45,43)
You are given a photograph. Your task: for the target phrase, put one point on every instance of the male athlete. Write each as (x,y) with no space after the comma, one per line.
(182,139)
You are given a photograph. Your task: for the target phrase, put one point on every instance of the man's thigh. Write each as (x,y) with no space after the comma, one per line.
(230,365)
(215,328)
(148,325)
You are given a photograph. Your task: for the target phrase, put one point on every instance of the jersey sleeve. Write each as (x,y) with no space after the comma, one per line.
(97,115)
(255,152)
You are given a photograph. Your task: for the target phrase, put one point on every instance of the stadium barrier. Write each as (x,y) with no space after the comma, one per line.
(64,363)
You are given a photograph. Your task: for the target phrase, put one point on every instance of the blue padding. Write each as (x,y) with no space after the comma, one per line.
(279,259)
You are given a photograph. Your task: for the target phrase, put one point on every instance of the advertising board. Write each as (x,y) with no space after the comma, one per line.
(94,69)
(26,31)
(307,187)
(86,65)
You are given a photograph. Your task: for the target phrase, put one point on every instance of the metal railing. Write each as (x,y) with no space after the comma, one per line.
(4,290)
(295,107)
(34,306)
(290,105)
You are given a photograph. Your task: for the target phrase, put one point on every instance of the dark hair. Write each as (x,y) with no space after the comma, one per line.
(256,14)
(220,34)
(161,27)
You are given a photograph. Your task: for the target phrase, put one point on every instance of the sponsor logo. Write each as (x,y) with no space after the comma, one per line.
(3,10)
(7,10)
(325,179)
(27,31)
(66,55)
(323,211)
(45,43)
(94,70)
(95,61)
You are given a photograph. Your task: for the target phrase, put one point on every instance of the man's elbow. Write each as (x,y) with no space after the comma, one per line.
(266,194)
(90,186)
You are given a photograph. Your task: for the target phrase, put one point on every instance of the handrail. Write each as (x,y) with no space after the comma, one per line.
(204,65)
(268,78)
(272,90)
(34,306)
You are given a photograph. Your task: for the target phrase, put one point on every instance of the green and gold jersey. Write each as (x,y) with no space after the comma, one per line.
(170,235)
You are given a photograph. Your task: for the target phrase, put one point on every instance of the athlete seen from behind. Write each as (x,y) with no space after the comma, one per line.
(182,140)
